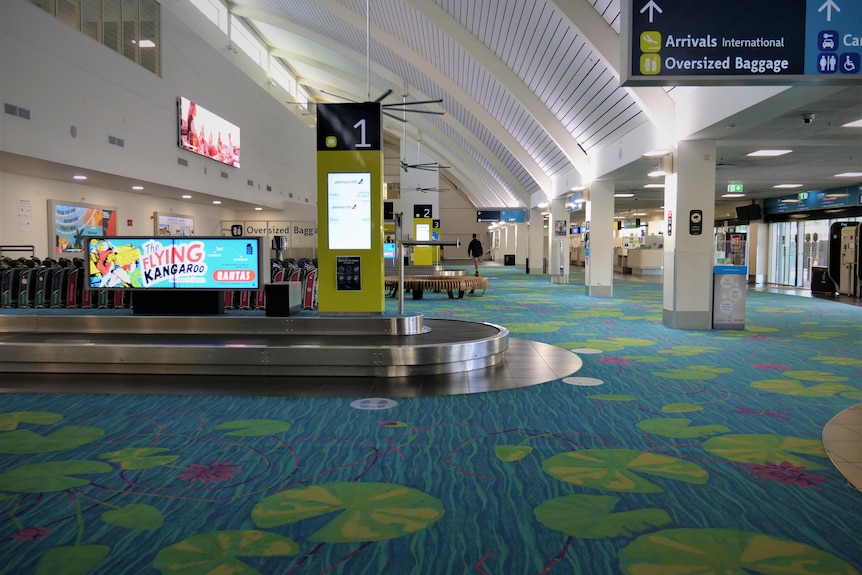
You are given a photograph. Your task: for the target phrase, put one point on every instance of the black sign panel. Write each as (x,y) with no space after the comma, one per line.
(355,127)
(757,40)
(695,222)
(487,215)
(348,276)
(422,210)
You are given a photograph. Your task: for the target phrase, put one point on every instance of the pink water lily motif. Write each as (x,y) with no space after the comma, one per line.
(31,533)
(215,471)
(786,473)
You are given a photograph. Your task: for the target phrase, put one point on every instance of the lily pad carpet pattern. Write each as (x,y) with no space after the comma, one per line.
(669,453)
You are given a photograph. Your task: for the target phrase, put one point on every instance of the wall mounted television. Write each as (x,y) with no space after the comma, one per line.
(207,134)
(156,263)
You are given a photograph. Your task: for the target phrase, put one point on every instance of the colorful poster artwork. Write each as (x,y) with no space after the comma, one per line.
(73,222)
(160,263)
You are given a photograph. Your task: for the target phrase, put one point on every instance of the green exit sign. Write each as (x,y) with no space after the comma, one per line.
(734,188)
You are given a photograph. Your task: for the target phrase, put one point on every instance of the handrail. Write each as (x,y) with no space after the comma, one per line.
(18,248)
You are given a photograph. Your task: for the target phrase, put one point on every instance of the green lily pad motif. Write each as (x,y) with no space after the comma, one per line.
(221,551)
(593,517)
(614,343)
(511,453)
(760,448)
(813,375)
(363,511)
(619,469)
(644,359)
(612,397)
(726,551)
(71,560)
(681,408)
(24,441)
(819,335)
(852,394)
(689,350)
(10,421)
(535,327)
(135,516)
(679,428)
(697,372)
(793,387)
(139,457)
(838,360)
(51,476)
(254,427)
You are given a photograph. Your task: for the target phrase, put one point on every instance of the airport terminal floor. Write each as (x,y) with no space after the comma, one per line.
(524,363)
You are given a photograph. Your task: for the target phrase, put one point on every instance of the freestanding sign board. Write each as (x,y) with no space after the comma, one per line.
(350,208)
(741,42)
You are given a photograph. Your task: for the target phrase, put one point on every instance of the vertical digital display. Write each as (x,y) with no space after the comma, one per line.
(349,210)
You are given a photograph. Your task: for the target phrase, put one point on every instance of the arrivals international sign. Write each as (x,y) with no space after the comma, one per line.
(741,42)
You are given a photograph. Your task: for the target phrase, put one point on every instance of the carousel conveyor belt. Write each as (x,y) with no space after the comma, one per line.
(351,346)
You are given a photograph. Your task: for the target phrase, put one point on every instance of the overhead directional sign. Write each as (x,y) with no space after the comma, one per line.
(741,42)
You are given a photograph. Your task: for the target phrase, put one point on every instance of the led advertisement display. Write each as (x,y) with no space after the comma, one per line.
(207,134)
(219,263)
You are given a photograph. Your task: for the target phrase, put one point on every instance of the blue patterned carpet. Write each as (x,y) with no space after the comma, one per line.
(670,452)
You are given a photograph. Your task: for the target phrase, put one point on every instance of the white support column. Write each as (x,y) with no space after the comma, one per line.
(689,257)
(522,244)
(558,238)
(536,243)
(599,260)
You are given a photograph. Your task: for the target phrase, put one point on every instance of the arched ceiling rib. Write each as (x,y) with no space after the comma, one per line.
(526,97)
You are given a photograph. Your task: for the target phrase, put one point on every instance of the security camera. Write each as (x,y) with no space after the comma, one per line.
(807,118)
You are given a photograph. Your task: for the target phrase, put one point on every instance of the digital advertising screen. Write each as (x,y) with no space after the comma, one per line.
(207,134)
(389,250)
(349,210)
(213,263)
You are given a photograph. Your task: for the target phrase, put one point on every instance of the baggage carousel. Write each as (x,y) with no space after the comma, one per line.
(304,349)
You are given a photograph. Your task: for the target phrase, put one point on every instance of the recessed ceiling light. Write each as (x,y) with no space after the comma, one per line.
(732,195)
(137,187)
(657,173)
(623,195)
(769,153)
(787,186)
(639,214)
(654,186)
(542,205)
(853,124)
(849,175)
(187,197)
(217,202)
(79,177)
(258,209)
(147,44)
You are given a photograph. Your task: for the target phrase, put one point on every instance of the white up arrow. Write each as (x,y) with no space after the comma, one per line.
(653,7)
(829,5)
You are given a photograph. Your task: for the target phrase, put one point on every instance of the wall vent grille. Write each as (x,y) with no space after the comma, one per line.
(182,162)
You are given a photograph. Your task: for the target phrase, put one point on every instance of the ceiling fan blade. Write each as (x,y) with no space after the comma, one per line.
(337,96)
(383,95)
(432,112)
(416,103)
(393,116)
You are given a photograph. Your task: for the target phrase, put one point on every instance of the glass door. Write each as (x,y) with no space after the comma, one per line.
(783,239)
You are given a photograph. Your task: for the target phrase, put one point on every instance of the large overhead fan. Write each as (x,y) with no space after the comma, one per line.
(426,190)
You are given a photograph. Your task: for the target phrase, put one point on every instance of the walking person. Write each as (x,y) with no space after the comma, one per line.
(474,249)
